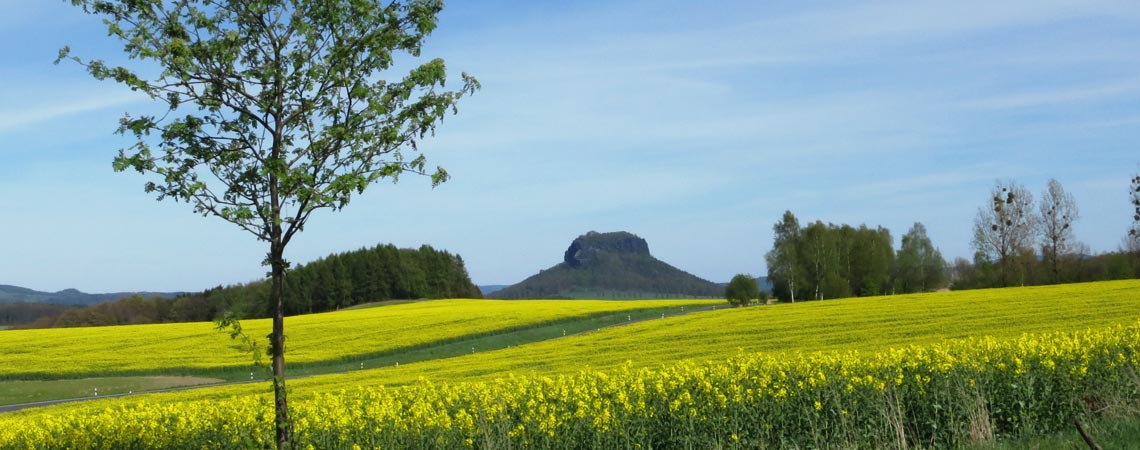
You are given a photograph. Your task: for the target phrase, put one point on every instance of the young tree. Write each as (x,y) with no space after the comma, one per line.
(1004,230)
(275,109)
(870,260)
(783,260)
(1132,241)
(919,267)
(820,259)
(742,290)
(1058,212)
(1134,198)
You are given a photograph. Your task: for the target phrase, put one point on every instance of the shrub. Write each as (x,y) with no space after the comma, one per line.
(742,290)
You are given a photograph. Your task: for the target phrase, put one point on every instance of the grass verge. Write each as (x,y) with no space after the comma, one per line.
(15,392)
(1113,432)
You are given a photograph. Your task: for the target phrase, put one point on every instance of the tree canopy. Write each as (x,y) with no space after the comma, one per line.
(1058,211)
(783,260)
(1134,199)
(275,109)
(742,290)
(1004,230)
(919,267)
(822,261)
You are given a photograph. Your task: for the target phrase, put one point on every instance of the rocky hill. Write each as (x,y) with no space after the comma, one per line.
(610,265)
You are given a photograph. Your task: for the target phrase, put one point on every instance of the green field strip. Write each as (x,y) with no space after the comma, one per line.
(318,339)
(20,391)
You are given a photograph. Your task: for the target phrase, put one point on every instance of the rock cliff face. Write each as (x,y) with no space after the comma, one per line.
(588,247)
(610,265)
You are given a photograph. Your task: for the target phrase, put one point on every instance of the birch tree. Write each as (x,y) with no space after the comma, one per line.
(783,260)
(1134,198)
(1004,229)
(1058,210)
(919,266)
(275,109)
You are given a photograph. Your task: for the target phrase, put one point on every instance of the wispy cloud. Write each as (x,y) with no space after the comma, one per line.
(760,35)
(696,124)
(955,178)
(1061,95)
(14,117)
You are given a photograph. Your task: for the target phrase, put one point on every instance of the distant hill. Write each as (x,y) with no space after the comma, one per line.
(610,265)
(16,294)
(489,288)
(337,281)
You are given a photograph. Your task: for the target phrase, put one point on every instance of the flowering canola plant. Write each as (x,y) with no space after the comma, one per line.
(934,395)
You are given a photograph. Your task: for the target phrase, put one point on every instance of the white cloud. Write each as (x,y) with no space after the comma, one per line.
(892,187)
(15,116)
(758,35)
(1068,94)
(675,119)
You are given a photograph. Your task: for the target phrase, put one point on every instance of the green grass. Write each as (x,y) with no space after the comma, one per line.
(1117,432)
(482,343)
(15,392)
(624,295)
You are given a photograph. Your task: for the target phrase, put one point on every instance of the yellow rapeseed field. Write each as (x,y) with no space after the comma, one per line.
(68,352)
(872,323)
(937,395)
(928,371)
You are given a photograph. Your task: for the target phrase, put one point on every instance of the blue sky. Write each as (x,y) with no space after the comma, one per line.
(693,125)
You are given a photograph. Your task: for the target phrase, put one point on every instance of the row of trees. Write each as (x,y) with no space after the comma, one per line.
(376,274)
(830,261)
(380,273)
(1009,230)
(22,314)
(373,274)
(132,310)
(1018,241)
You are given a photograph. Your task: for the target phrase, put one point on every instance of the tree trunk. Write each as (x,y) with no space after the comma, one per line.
(1056,263)
(277,341)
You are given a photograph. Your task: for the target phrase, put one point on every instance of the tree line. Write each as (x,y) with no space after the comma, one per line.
(376,274)
(337,281)
(1016,242)
(821,261)
(19,314)
(1019,241)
